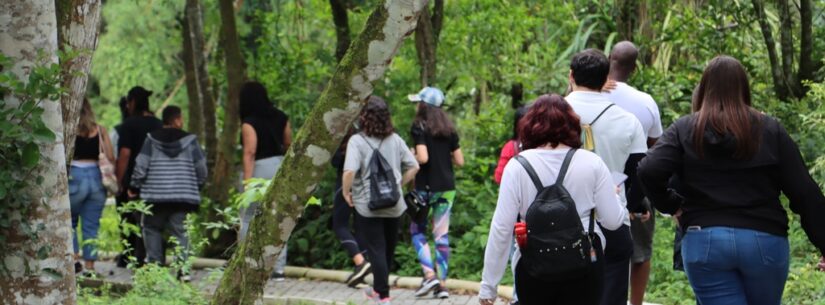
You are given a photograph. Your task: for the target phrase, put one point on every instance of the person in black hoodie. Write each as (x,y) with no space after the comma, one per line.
(169,172)
(733,162)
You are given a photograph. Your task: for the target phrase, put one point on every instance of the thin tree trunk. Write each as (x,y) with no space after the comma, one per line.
(425,46)
(786,43)
(806,63)
(223,174)
(437,19)
(195,119)
(341,19)
(37,270)
(194,20)
(779,82)
(309,155)
(77,29)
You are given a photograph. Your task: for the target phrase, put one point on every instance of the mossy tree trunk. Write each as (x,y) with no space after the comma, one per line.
(194,120)
(196,72)
(36,265)
(308,157)
(340,17)
(77,29)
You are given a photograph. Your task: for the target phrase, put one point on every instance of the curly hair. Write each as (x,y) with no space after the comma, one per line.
(375,118)
(550,120)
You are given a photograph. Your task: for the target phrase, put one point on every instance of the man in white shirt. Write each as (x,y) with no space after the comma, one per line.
(622,65)
(620,141)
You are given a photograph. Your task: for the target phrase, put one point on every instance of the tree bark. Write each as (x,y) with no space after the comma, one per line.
(195,119)
(425,46)
(806,63)
(37,270)
(307,159)
(779,81)
(222,174)
(341,20)
(786,43)
(437,18)
(78,24)
(194,36)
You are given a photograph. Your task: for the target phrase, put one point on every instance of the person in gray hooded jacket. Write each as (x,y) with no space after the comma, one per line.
(169,173)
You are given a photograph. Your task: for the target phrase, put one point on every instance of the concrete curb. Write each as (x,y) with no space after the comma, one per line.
(341,276)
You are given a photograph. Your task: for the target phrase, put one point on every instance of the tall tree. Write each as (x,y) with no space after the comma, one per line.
(351,84)
(195,120)
(426,41)
(77,29)
(787,83)
(222,174)
(196,73)
(341,20)
(39,269)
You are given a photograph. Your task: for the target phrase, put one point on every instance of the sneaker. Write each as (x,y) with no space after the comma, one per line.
(361,271)
(427,285)
(441,293)
(277,276)
(78,267)
(373,295)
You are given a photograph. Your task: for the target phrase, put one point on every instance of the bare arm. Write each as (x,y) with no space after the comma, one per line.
(409,175)
(346,186)
(651,142)
(421,154)
(250,144)
(287,136)
(122,163)
(458,157)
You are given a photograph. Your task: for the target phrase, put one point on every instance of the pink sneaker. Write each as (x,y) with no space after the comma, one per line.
(372,295)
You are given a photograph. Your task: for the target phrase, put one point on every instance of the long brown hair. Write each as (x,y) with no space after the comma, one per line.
(723,102)
(434,120)
(86,123)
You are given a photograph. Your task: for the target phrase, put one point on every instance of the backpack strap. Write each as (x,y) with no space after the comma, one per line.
(600,114)
(368,141)
(530,172)
(592,223)
(565,165)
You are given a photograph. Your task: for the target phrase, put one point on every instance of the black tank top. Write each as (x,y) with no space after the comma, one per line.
(270,133)
(87,148)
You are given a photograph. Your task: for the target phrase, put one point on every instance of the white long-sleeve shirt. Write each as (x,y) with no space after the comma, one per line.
(589,183)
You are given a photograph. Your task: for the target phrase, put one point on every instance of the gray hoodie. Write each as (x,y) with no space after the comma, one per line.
(171,168)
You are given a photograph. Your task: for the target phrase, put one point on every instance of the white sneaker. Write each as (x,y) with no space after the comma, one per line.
(426,286)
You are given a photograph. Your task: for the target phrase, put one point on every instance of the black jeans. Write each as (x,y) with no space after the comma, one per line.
(380,235)
(582,291)
(341,213)
(617,265)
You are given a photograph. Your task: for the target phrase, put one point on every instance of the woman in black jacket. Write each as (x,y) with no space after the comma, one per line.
(733,162)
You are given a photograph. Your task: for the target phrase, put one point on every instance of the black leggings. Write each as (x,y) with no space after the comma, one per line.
(341,213)
(380,236)
(617,265)
(582,291)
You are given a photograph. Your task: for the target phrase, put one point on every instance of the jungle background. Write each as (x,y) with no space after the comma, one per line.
(489,56)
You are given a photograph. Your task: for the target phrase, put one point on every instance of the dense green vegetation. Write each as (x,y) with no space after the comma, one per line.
(485,50)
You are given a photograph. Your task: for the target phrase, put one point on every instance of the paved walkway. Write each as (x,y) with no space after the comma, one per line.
(303,291)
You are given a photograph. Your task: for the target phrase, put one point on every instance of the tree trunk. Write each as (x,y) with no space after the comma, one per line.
(195,119)
(626,14)
(806,63)
(516,95)
(341,19)
(77,29)
(786,43)
(194,38)
(37,269)
(425,47)
(308,157)
(779,81)
(437,19)
(223,174)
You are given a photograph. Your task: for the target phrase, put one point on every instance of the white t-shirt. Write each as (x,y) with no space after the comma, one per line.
(639,104)
(587,180)
(617,134)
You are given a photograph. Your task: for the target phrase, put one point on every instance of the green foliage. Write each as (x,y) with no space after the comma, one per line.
(152,284)
(22,131)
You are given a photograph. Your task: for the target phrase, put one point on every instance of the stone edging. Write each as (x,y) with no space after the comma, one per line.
(341,276)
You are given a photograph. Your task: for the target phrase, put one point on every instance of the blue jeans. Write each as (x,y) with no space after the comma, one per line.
(87,197)
(731,266)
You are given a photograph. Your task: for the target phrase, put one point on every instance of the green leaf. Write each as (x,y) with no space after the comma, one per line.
(43,252)
(53,273)
(43,133)
(31,155)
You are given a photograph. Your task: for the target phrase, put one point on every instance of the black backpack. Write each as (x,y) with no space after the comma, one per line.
(557,247)
(384,191)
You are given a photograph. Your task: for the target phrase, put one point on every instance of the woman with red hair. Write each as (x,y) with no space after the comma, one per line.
(549,132)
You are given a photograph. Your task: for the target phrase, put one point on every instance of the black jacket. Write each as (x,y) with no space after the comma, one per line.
(720,190)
